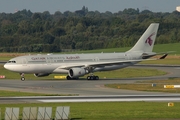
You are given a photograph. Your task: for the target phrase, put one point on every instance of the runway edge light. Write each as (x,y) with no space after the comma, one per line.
(2,76)
(60,77)
(168,86)
(171,86)
(170,104)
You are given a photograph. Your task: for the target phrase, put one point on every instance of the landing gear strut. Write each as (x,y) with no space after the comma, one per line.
(91,76)
(22,77)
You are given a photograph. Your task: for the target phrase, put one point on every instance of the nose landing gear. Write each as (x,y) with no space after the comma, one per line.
(22,77)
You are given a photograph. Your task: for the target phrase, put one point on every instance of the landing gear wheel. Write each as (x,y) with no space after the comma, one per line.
(96,77)
(68,77)
(92,78)
(22,78)
(88,77)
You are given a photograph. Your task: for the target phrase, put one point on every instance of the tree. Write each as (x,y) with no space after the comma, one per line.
(48,38)
(23,27)
(58,31)
(131,11)
(80,27)
(36,16)
(45,15)
(83,29)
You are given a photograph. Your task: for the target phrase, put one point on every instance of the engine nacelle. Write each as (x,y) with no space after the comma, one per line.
(41,74)
(76,72)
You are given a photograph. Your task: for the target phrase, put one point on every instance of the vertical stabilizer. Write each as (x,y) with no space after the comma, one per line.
(147,40)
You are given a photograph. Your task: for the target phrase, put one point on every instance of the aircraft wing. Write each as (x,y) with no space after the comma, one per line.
(102,64)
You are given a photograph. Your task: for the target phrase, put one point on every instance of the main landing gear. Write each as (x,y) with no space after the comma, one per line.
(92,78)
(22,77)
(88,78)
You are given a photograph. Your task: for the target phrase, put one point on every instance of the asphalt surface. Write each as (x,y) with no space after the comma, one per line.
(85,87)
(102,98)
(3,62)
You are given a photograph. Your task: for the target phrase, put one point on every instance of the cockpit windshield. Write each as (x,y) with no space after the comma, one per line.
(12,61)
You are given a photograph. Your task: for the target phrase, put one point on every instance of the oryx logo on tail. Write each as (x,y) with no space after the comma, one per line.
(149,40)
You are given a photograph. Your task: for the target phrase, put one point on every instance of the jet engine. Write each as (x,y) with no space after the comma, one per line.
(76,72)
(41,74)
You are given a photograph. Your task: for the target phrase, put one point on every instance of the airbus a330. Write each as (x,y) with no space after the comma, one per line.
(78,65)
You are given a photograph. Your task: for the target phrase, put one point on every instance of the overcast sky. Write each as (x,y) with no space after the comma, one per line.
(10,6)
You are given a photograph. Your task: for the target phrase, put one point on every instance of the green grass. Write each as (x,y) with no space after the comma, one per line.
(15,93)
(167,61)
(146,85)
(167,47)
(4,93)
(5,58)
(111,110)
(130,73)
(157,48)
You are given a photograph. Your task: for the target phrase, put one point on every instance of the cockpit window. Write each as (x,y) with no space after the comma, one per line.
(12,61)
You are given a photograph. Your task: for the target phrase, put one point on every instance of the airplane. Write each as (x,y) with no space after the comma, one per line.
(78,65)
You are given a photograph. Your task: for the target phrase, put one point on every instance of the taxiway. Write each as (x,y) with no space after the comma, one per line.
(89,88)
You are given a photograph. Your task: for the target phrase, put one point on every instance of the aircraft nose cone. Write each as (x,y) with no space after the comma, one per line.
(11,67)
(6,66)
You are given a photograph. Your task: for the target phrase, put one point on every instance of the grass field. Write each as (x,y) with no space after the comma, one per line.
(157,48)
(147,85)
(112,110)
(16,93)
(5,93)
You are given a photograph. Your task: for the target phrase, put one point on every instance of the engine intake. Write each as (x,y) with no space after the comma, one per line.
(76,72)
(41,74)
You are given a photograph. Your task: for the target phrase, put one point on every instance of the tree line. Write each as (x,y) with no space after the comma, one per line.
(25,31)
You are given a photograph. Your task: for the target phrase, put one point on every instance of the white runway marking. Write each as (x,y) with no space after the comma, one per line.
(111,100)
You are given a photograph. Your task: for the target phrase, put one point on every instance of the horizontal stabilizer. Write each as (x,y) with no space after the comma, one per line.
(146,56)
(163,57)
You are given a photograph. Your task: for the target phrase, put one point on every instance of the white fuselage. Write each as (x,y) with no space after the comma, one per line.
(59,63)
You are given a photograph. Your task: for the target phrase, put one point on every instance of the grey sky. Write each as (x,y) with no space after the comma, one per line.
(10,6)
